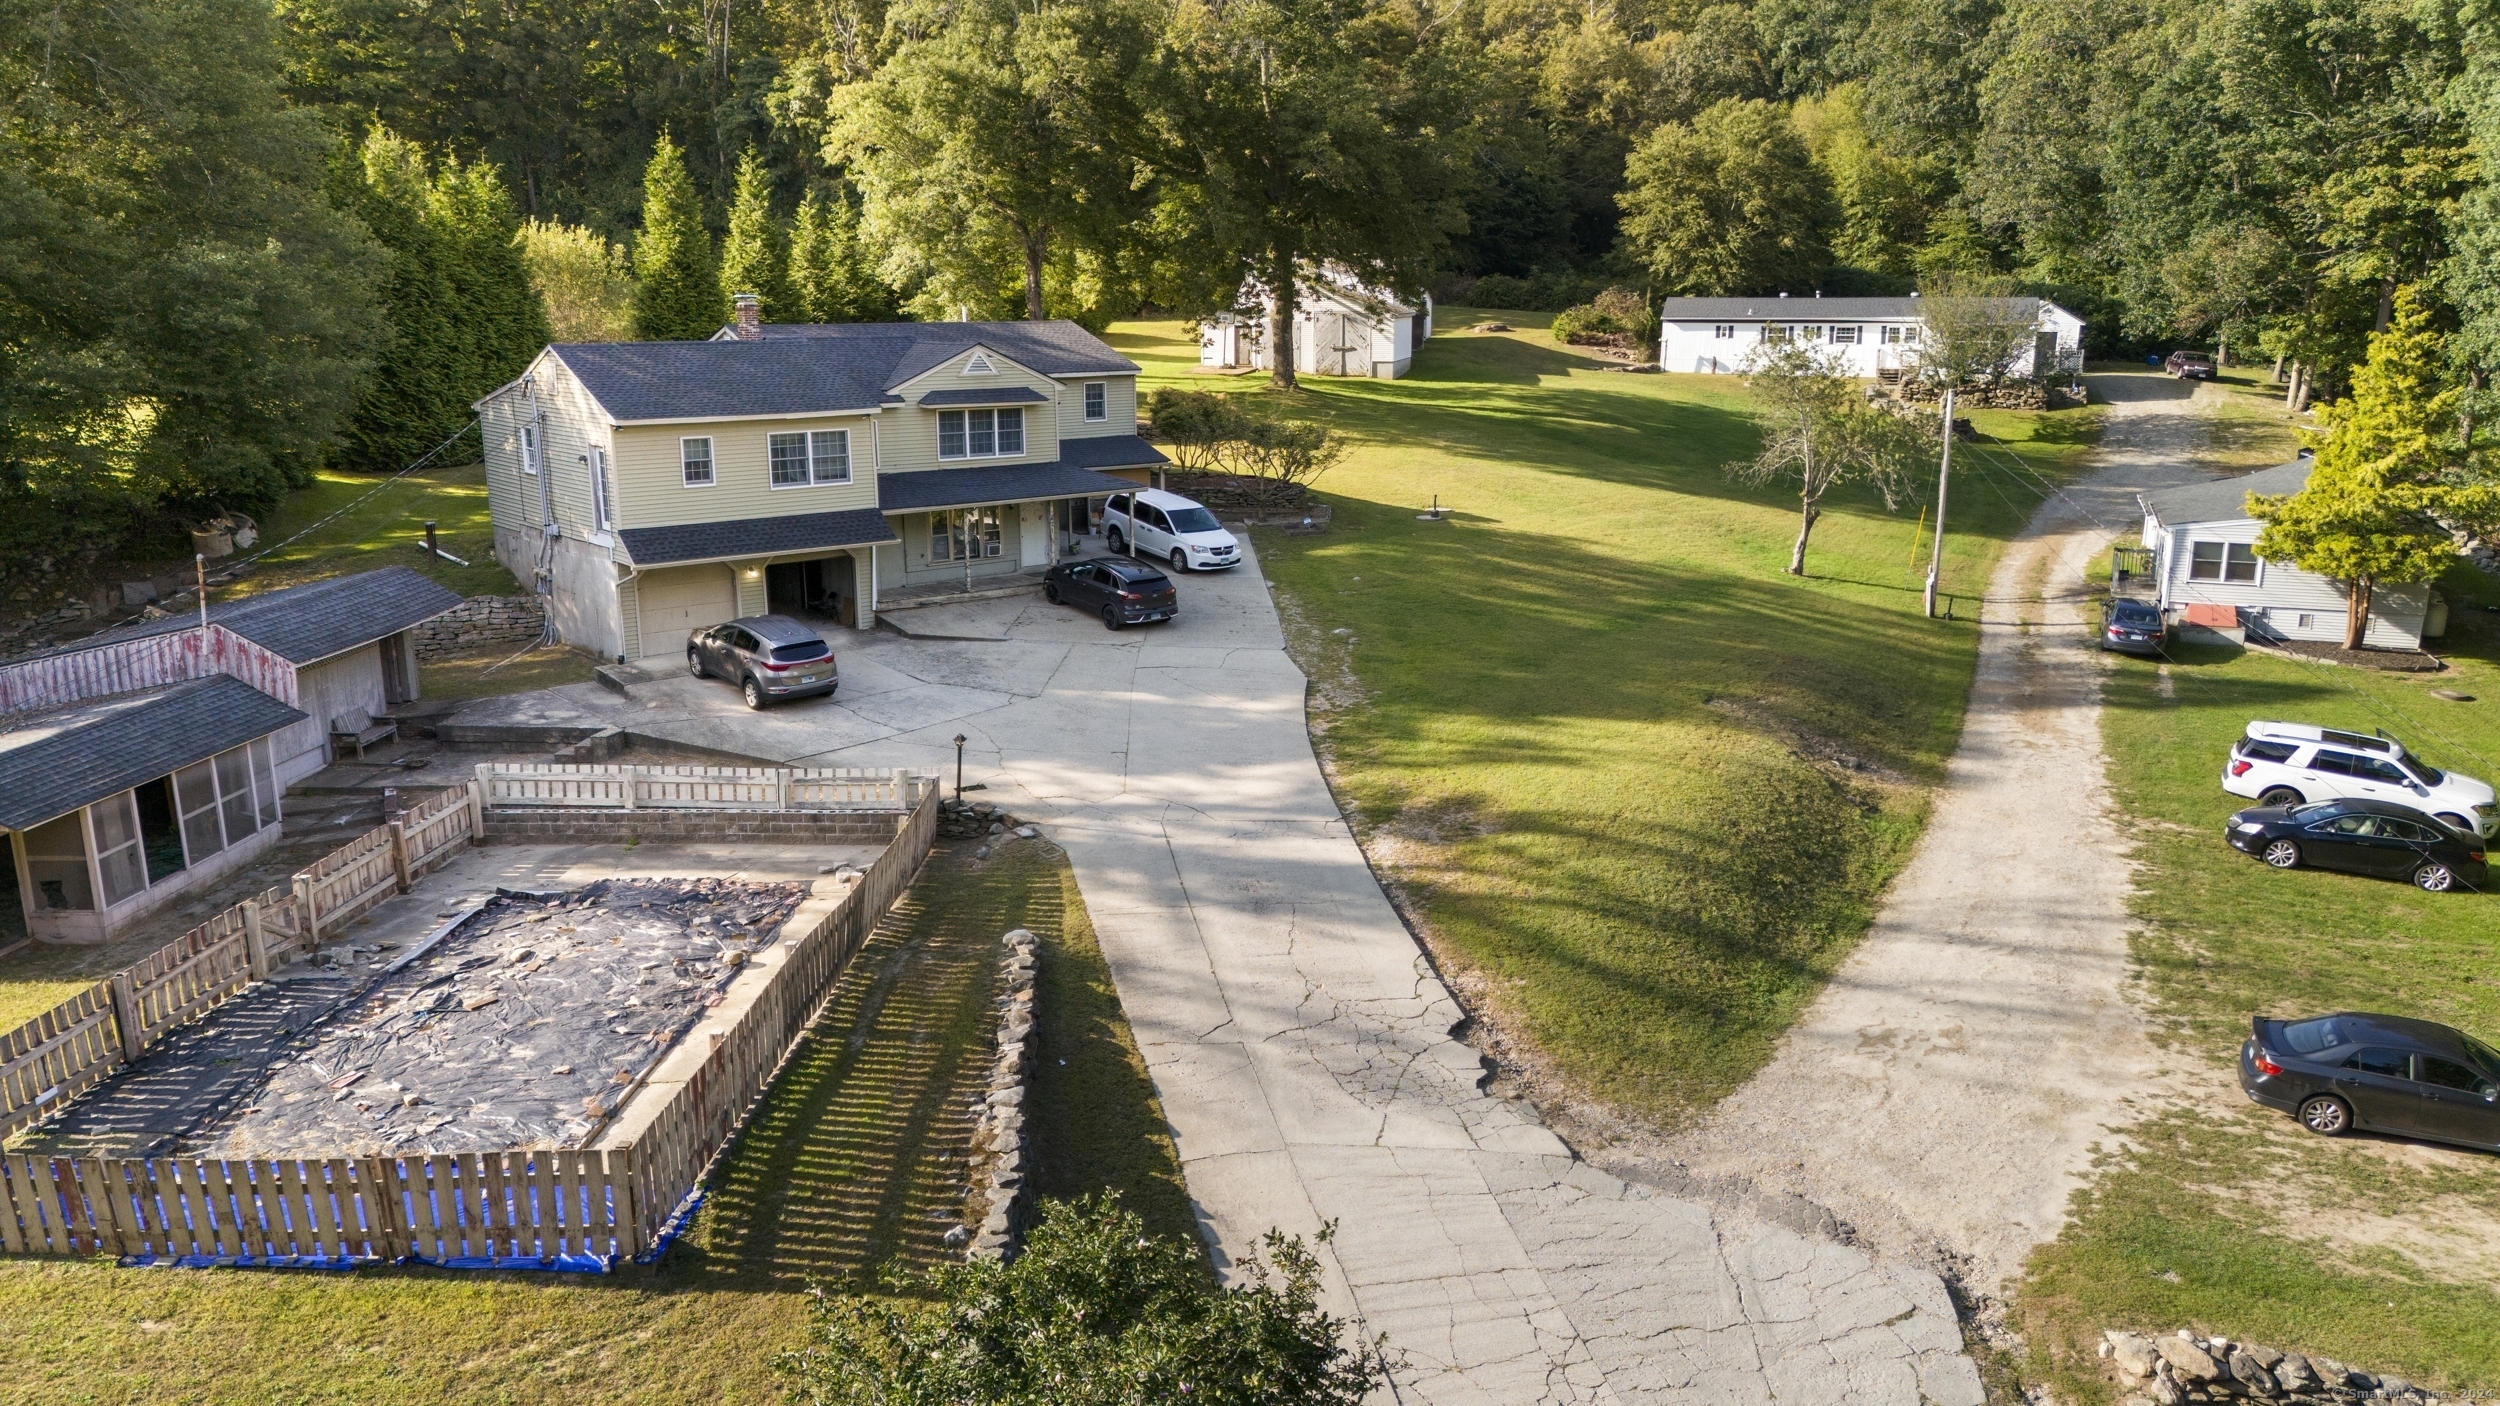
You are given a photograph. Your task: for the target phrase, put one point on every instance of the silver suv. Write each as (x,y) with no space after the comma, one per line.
(2284,764)
(769,657)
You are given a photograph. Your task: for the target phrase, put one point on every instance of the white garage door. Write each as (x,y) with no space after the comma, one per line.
(679,601)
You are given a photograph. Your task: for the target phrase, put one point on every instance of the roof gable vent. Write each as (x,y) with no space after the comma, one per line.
(979,365)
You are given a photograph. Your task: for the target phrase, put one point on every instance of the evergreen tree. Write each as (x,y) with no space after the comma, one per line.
(2388,474)
(677,295)
(411,400)
(832,278)
(755,256)
(498,316)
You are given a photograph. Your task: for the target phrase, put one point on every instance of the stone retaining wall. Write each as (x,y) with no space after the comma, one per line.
(478,622)
(676,827)
(2170,1371)
(1002,1136)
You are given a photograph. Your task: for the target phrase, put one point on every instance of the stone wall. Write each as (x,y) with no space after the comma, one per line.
(1002,1138)
(553,826)
(478,622)
(2170,1371)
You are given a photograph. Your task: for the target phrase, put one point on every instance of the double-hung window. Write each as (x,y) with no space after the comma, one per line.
(694,457)
(529,449)
(1097,401)
(967,535)
(1723,331)
(814,456)
(980,434)
(2222,561)
(602,506)
(1774,332)
(1844,335)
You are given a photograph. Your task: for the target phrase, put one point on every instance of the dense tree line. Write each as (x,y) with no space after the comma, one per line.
(217,275)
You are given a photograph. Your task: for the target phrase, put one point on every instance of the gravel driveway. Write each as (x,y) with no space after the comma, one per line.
(1944,1094)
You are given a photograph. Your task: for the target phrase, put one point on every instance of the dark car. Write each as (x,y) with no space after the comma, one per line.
(769,658)
(1121,591)
(2385,1073)
(2361,837)
(2189,366)
(2132,627)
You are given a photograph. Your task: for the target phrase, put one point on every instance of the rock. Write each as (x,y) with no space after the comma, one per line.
(2168,1392)
(998,827)
(138,592)
(2294,1372)
(2188,1360)
(2266,1357)
(2135,1353)
(982,853)
(2246,1370)
(959,1237)
(1026,832)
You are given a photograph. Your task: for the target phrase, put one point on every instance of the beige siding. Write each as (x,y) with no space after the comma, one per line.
(571,421)
(910,432)
(351,682)
(650,476)
(1119,405)
(913,528)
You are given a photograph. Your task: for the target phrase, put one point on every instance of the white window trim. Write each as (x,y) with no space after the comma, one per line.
(1723,331)
(602,489)
(711,461)
(1096,391)
(1849,341)
(1025,434)
(807,446)
(2224,579)
(529,449)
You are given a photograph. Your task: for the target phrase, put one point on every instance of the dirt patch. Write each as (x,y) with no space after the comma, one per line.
(1836,758)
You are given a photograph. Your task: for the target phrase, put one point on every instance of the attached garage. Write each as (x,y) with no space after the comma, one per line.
(680,600)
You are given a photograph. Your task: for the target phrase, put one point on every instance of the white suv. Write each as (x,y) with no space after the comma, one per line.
(2282,764)
(1170,528)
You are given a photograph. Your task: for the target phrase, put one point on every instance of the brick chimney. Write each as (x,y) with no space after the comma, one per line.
(750,316)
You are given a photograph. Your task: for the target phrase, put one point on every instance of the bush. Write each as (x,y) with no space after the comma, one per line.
(1093,1313)
(1619,317)
(1500,290)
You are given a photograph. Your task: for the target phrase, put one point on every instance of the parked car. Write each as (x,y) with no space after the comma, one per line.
(1121,591)
(2189,366)
(769,658)
(2132,627)
(2384,1073)
(1170,528)
(2361,837)
(2283,764)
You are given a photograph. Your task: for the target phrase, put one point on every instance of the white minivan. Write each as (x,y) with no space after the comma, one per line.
(1170,528)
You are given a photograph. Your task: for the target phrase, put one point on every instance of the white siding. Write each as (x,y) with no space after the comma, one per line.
(2291,602)
(350,682)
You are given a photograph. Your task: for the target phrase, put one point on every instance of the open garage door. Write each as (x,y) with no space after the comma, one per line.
(681,600)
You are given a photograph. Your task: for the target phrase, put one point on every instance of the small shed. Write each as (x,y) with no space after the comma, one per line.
(1342,327)
(112,807)
(333,649)
(2202,546)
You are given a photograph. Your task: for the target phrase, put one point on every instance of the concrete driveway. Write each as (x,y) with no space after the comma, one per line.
(1299,1040)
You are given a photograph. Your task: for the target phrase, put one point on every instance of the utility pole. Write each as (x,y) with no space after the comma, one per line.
(1944,477)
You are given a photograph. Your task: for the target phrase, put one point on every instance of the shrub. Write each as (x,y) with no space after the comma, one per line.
(1500,290)
(1618,317)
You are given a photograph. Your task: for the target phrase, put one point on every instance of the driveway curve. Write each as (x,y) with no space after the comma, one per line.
(1944,1093)
(1300,1041)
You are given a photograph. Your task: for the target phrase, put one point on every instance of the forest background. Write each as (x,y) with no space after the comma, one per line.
(244,242)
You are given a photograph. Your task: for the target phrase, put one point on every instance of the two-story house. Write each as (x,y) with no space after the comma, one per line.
(654,488)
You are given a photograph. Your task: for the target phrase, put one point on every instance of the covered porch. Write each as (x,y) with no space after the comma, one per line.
(113,807)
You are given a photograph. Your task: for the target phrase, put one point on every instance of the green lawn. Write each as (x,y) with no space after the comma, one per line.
(381,522)
(853,1162)
(1588,724)
(2376,1251)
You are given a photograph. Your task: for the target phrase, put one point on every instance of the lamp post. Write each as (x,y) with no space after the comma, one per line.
(959,766)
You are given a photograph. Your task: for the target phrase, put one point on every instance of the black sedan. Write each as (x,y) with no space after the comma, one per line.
(2361,837)
(2384,1073)
(2132,627)
(1121,591)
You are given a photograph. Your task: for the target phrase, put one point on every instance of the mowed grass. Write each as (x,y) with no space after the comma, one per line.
(361,522)
(2380,1252)
(854,1164)
(1579,722)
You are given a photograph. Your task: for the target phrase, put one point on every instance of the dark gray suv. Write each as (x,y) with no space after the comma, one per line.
(769,657)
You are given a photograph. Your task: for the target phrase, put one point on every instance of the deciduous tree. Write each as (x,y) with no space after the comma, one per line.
(585,283)
(1729,203)
(1818,432)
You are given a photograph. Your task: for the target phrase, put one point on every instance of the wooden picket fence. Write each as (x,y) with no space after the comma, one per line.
(534,1204)
(513,785)
(75,1044)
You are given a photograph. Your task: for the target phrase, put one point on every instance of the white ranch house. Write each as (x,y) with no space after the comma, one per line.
(2205,569)
(1876,338)
(1342,327)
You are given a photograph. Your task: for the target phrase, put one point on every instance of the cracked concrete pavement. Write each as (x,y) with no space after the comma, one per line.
(1934,1096)
(1300,1041)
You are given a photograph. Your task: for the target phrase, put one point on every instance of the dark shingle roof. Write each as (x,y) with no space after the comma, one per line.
(1006,483)
(815,369)
(304,624)
(2225,499)
(55,761)
(1004,395)
(1110,451)
(754,537)
(910,348)
(1776,309)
